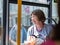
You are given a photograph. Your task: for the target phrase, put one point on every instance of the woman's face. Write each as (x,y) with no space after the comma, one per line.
(34,19)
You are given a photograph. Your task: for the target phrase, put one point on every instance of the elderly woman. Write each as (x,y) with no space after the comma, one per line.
(39,31)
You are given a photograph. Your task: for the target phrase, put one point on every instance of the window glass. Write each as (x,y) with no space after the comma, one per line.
(54,12)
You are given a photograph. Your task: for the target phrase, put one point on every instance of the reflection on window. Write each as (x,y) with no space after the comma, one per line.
(13,14)
(13,11)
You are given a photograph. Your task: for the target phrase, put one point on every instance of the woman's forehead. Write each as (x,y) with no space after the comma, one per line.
(33,15)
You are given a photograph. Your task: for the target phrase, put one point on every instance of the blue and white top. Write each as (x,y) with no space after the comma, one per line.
(40,34)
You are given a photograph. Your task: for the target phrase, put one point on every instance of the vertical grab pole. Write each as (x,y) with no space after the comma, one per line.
(19,22)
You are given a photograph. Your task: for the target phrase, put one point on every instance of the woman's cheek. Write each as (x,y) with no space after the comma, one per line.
(34,21)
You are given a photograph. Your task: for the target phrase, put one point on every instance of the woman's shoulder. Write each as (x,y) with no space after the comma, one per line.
(49,26)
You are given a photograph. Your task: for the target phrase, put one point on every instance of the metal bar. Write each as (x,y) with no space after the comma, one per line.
(34,4)
(19,22)
(13,1)
(7,24)
(50,12)
(4,20)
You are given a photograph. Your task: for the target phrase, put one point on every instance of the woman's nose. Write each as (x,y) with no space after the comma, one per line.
(32,18)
